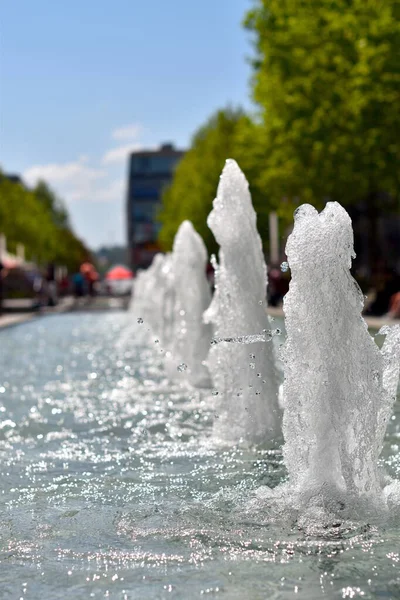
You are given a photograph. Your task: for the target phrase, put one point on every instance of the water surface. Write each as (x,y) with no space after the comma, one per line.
(112,486)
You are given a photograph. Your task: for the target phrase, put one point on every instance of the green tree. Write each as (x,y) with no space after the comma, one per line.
(327,80)
(197,175)
(38,220)
(53,204)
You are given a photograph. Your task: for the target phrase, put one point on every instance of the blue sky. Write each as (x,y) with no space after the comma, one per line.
(83,82)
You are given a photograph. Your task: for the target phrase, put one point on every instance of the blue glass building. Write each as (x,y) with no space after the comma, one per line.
(149,172)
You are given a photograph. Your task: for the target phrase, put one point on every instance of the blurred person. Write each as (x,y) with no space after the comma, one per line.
(51,285)
(90,275)
(394,306)
(386,284)
(78,282)
(64,285)
(91,278)
(3,273)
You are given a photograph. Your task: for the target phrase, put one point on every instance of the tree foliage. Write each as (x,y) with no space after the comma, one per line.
(196,178)
(197,175)
(327,79)
(52,203)
(38,220)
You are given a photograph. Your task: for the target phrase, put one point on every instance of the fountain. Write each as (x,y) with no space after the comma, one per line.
(147,300)
(192,338)
(167,302)
(339,388)
(172,296)
(113,484)
(244,374)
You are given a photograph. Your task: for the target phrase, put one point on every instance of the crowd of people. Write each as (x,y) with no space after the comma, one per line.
(84,280)
(383,299)
(44,286)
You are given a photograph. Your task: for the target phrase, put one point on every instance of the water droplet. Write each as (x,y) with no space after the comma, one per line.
(284,267)
(252,365)
(260,302)
(252,355)
(258,374)
(156,341)
(140,320)
(215,392)
(182,367)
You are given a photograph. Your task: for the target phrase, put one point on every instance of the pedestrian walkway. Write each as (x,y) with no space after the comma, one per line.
(372,322)
(14,319)
(67,304)
(110,303)
(10,319)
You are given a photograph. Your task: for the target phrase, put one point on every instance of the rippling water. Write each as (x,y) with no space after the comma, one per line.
(112,487)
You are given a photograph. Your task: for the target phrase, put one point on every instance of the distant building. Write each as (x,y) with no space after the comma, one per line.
(149,172)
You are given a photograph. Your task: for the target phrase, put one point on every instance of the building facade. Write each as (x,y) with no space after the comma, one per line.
(149,172)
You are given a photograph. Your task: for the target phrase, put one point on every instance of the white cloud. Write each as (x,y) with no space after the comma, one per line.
(94,192)
(77,181)
(128,132)
(73,173)
(120,153)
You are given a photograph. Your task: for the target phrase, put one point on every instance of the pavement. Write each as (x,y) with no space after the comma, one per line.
(67,304)
(71,304)
(372,322)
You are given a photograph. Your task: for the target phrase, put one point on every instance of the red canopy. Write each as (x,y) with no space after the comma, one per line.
(119,272)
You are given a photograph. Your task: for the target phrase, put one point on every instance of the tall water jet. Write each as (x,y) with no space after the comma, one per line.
(339,388)
(244,374)
(167,302)
(192,338)
(147,300)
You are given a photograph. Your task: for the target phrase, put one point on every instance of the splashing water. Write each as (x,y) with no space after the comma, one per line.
(172,295)
(248,408)
(114,487)
(339,388)
(266,336)
(155,298)
(167,324)
(193,296)
(148,294)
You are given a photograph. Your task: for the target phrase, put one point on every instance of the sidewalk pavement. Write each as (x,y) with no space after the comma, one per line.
(69,303)
(372,322)
(9,319)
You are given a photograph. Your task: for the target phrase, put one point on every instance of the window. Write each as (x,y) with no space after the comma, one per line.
(153,164)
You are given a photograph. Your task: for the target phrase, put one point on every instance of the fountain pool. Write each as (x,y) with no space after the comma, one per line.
(112,485)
